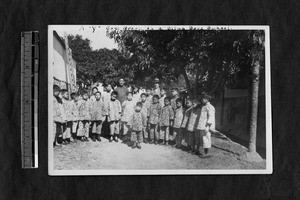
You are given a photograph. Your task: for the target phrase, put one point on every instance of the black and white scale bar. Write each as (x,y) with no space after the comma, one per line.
(29,98)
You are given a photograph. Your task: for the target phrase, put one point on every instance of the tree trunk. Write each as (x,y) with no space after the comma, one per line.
(197,80)
(187,81)
(222,107)
(254,106)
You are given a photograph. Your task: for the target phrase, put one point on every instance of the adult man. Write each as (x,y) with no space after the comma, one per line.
(122,91)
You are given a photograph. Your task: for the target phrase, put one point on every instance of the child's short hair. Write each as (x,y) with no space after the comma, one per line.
(106,84)
(114,93)
(56,88)
(74,95)
(196,100)
(97,92)
(139,104)
(167,98)
(179,100)
(189,99)
(176,89)
(83,92)
(94,88)
(128,93)
(63,91)
(143,94)
(206,96)
(156,96)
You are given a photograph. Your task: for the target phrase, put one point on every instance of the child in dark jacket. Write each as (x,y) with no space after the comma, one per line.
(98,112)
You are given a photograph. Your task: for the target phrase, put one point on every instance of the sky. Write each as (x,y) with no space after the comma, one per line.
(96,34)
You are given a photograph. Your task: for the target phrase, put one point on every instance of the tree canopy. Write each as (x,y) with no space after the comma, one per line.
(97,65)
(208,60)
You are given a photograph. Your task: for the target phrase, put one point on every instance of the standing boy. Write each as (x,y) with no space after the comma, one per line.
(166,120)
(73,102)
(84,116)
(58,116)
(69,116)
(156,89)
(162,97)
(154,118)
(149,96)
(175,95)
(114,116)
(98,112)
(187,113)
(137,123)
(93,98)
(127,111)
(192,124)
(177,122)
(206,124)
(145,111)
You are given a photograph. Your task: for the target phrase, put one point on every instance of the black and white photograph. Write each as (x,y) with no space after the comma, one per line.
(159,100)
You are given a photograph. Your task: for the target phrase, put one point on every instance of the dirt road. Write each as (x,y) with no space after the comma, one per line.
(104,155)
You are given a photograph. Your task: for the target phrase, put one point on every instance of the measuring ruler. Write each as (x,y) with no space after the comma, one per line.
(29,98)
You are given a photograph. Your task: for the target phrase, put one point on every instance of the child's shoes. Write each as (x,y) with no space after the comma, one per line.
(98,138)
(116,139)
(134,145)
(93,138)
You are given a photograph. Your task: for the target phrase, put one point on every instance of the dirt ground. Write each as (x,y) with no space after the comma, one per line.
(104,155)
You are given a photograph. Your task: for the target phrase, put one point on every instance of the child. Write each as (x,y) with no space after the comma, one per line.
(156,89)
(206,124)
(187,112)
(175,95)
(137,123)
(145,111)
(84,117)
(162,97)
(166,120)
(67,106)
(114,116)
(73,102)
(192,124)
(149,96)
(106,94)
(93,98)
(135,94)
(177,122)
(97,117)
(58,117)
(127,110)
(154,118)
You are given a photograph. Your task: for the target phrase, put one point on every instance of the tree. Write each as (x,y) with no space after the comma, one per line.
(98,65)
(257,54)
(206,59)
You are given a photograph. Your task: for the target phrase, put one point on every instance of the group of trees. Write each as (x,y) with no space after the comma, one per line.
(97,65)
(207,60)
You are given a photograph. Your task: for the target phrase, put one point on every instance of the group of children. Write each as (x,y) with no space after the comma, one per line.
(142,118)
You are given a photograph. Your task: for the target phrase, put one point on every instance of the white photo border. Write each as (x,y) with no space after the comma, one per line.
(269,152)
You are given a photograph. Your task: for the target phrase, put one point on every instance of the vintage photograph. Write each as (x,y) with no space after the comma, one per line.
(139,100)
